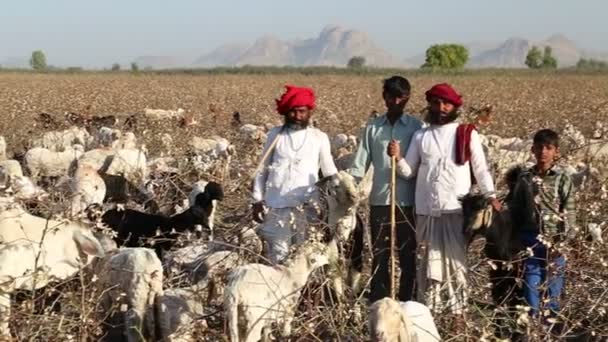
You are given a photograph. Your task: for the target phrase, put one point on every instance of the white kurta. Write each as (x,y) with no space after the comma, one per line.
(287,185)
(288,177)
(440,182)
(441,276)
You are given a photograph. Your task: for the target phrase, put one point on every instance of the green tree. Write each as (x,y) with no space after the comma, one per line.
(534,58)
(356,62)
(446,56)
(115,67)
(591,64)
(38,60)
(134,67)
(549,62)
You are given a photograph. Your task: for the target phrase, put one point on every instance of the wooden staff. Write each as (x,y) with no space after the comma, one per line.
(265,156)
(393,223)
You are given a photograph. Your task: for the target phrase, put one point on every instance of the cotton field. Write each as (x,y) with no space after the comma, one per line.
(180,151)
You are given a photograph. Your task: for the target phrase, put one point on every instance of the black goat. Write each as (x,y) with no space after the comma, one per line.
(135,228)
(501,231)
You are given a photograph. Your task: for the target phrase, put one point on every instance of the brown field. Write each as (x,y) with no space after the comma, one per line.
(522,104)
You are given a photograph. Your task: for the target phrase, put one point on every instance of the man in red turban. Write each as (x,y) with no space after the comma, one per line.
(443,176)
(284,191)
(295,97)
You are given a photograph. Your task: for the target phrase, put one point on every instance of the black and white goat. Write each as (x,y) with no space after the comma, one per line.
(134,227)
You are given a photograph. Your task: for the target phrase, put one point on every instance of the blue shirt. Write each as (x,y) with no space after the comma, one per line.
(372,151)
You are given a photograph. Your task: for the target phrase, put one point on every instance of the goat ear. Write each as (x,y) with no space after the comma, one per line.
(88,245)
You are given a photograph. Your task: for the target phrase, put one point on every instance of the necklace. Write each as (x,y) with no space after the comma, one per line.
(291,143)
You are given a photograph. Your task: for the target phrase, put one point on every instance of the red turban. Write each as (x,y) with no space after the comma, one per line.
(445,92)
(295,97)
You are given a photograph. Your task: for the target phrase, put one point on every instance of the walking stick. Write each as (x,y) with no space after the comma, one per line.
(393,223)
(266,155)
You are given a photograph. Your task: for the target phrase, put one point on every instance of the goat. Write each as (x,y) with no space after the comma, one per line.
(258,295)
(35,252)
(132,226)
(41,161)
(500,230)
(61,140)
(180,307)
(133,278)
(342,197)
(390,320)
(88,188)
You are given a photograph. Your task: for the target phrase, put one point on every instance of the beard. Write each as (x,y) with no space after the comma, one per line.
(296,125)
(441,118)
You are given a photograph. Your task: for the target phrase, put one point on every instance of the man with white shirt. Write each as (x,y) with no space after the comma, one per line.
(442,156)
(285,186)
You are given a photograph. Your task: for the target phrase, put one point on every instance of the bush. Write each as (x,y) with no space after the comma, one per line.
(446,56)
(537,60)
(356,62)
(38,60)
(549,62)
(591,64)
(115,67)
(534,58)
(134,67)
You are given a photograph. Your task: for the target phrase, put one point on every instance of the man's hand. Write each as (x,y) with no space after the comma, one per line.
(258,211)
(394,149)
(495,203)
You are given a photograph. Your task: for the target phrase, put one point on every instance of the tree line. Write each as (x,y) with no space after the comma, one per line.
(438,57)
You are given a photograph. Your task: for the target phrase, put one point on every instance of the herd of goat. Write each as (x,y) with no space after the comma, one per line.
(112,225)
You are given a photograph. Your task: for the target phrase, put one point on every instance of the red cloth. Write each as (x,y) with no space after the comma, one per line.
(295,97)
(445,92)
(463,143)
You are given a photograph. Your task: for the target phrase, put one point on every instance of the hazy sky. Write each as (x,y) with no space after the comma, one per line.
(98,33)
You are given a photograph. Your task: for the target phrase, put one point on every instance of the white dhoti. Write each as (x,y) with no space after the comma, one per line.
(441,275)
(284,227)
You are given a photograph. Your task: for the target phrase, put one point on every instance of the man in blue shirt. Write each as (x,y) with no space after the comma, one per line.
(396,127)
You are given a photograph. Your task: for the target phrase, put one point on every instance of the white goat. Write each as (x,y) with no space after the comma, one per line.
(179,309)
(391,321)
(99,158)
(133,278)
(41,161)
(130,163)
(9,168)
(62,140)
(24,188)
(35,252)
(258,295)
(253,132)
(342,197)
(87,187)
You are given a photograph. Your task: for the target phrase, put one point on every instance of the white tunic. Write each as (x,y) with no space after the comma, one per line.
(440,181)
(290,173)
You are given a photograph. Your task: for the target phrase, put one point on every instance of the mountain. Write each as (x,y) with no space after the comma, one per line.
(510,54)
(224,55)
(334,46)
(565,50)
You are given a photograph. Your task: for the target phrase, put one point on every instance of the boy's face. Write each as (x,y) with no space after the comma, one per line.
(545,153)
